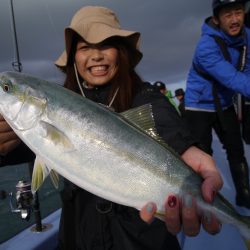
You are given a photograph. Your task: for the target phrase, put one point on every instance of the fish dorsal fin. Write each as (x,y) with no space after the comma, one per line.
(142,117)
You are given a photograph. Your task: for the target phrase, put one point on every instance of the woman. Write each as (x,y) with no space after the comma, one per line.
(99,62)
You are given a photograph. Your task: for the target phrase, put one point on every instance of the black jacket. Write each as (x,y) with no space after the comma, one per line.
(92,223)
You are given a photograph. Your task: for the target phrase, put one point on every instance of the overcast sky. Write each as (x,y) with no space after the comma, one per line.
(169,33)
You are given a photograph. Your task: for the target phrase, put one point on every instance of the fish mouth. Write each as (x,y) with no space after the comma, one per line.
(32,107)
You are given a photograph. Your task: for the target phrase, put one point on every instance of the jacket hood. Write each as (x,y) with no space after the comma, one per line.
(210,29)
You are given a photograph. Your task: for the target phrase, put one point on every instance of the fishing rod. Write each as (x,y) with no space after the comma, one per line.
(17,65)
(25,200)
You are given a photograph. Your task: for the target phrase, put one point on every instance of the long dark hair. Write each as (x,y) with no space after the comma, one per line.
(126,78)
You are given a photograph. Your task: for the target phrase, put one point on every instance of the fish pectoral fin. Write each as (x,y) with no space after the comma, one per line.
(40,172)
(54,176)
(56,136)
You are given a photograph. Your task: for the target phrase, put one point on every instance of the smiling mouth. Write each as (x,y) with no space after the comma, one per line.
(236,26)
(99,70)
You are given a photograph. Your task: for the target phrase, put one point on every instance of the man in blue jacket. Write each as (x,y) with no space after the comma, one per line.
(220,69)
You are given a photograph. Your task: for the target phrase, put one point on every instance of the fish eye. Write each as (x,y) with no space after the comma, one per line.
(6,87)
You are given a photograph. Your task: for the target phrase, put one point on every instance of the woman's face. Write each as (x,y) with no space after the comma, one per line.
(96,64)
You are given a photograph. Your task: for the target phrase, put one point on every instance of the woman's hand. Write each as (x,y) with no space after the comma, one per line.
(8,139)
(182,213)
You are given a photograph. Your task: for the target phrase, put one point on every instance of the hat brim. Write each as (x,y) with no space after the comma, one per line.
(97,33)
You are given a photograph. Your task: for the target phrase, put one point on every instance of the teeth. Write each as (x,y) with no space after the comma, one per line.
(98,68)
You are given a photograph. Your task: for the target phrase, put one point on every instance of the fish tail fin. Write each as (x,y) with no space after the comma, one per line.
(40,172)
(247,243)
(245,230)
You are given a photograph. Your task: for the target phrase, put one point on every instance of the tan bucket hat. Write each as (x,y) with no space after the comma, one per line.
(95,24)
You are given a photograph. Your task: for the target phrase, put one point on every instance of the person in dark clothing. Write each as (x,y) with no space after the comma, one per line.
(220,69)
(160,86)
(180,94)
(99,62)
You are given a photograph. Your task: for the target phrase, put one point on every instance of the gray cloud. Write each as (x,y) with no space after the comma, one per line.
(169,29)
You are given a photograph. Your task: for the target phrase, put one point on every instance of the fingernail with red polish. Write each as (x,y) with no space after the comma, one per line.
(172,201)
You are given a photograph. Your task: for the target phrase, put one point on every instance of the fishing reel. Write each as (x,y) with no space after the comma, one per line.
(23,200)
(27,203)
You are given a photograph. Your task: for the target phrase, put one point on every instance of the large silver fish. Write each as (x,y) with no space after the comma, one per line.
(119,157)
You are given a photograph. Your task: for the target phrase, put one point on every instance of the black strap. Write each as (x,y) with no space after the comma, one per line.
(240,67)
(223,48)
(227,56)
